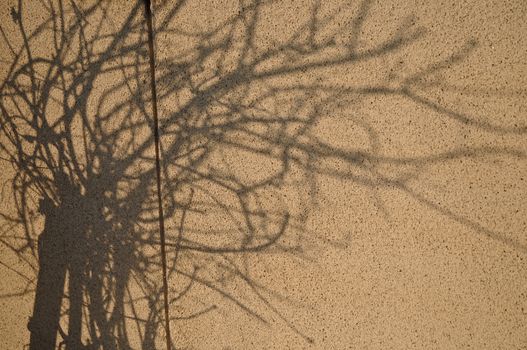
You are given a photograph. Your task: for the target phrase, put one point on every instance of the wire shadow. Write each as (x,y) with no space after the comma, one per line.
(75,126)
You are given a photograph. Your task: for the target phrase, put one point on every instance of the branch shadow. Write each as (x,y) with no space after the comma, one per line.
(238,130)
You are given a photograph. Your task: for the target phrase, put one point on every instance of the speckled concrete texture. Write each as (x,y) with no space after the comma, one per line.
(336,174)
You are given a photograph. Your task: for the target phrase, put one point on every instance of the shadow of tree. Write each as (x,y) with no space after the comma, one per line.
(241,158)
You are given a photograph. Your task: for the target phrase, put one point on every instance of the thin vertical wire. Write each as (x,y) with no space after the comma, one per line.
(149,20)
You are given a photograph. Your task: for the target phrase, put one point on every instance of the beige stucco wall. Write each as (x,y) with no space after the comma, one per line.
(434,260)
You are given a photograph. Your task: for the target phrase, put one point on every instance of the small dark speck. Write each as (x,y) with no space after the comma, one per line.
(14,15)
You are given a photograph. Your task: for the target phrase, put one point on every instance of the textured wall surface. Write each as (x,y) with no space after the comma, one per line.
(336,175)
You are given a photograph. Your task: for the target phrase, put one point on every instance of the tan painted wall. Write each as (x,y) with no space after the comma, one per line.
(404,194)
